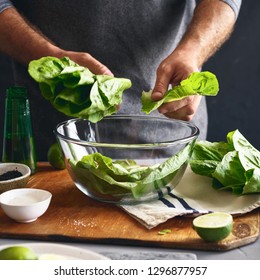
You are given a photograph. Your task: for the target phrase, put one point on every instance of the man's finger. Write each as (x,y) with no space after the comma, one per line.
(162,82)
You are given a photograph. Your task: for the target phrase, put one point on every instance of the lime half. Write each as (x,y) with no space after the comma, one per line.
(213,227)
(55,156)
(17,253)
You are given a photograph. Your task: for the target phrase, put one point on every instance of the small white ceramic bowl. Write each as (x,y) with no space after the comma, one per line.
(19,182)
(25,205)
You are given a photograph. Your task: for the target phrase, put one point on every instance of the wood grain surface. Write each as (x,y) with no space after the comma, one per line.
(72,216)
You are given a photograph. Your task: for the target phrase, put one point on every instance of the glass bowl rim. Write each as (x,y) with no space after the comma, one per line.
(163,144)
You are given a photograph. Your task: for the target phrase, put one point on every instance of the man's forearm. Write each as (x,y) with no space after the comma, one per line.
(211,26)
(21,41)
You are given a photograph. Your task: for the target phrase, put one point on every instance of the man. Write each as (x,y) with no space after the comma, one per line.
(155,43)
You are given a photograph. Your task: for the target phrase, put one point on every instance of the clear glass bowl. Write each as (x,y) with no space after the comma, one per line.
(126,159)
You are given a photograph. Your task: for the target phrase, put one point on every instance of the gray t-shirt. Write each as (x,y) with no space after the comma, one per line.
(130,37)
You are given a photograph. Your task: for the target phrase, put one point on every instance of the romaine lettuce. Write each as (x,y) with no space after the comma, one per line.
(233,165)
(103,175)
(202,83)
(75,91)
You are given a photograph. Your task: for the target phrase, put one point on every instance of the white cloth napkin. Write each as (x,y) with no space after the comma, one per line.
(193,195)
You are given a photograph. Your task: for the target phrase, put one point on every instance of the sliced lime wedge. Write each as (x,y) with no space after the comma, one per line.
(213,227)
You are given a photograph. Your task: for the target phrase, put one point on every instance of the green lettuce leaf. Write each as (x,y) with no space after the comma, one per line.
(206,156)
(75,91)
(233,165)
(198,83)
(105,176)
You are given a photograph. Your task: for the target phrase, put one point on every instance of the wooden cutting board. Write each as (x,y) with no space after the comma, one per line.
(72,216)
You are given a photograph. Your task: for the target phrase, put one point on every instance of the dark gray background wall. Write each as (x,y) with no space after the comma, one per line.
(237,66)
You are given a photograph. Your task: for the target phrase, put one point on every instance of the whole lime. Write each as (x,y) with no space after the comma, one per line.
(213,227)
(17,253)
(55,156)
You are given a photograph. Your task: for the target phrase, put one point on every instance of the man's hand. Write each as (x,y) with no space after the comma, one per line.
(86,60)
(172,71)
(211,26)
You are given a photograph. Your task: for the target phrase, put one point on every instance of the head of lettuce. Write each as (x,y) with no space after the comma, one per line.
(75,91)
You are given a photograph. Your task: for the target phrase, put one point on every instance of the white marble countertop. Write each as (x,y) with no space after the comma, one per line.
(247,252)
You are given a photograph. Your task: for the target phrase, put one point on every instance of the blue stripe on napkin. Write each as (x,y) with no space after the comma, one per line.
(167,202)
(184,204)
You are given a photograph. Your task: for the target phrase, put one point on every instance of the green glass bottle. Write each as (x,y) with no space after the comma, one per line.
(18,142)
